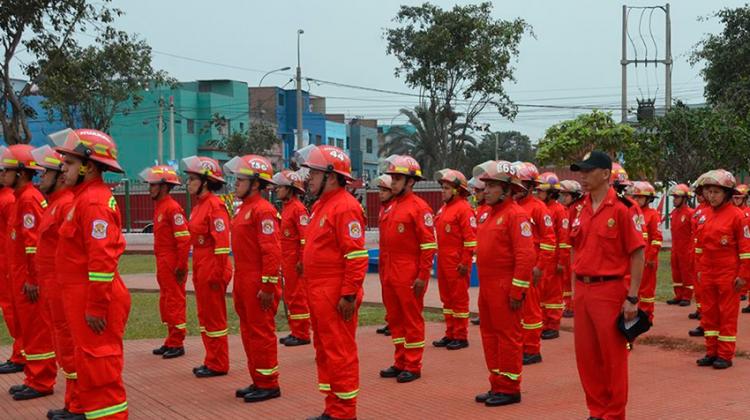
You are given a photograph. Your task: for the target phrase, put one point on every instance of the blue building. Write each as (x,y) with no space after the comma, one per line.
(363,148)
(40,124)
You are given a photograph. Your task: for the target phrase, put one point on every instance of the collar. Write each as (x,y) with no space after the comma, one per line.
(251,199)
(501,205)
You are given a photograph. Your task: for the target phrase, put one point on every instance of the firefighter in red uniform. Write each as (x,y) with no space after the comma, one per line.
(407,247)
(551,293)
(481,210)
(335,263)
(680,224)
(172,250)
(455,229)
(699,218)
(97,303)
(60,200)
(294,221)
(740,199)
(257,289)
(607,243)
(723,267)
(40,370)
(505,258)
(212,271)
(570,197)
(383,185)
(643,193)
(546,245)
(15,361)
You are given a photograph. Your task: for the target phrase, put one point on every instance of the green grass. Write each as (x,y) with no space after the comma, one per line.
(134,264)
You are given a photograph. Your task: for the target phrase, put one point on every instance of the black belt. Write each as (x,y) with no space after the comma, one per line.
(597,279)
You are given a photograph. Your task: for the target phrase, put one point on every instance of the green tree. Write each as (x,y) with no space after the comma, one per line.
(260,139)
(459,60)
(726,58)
(39,27)
(510,145)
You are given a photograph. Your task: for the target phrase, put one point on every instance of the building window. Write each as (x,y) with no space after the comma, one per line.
(281,99)
(318,139)
(368,145)
(340,143)
(242,126)
(191,126)
(331,141)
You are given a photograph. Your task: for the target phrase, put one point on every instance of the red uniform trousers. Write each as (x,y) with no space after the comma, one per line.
(567,287)
(172,302)
(63,342)
(210,299)
(682,274)
(454,293)
(258,330)
(8,306)
(551,293)
(604,368)
(99,357)
(404,310)
(502,335)
(720,306)
(532,321)
(295,298)
(647,291)
(335,347)
(697,282)
(40,368)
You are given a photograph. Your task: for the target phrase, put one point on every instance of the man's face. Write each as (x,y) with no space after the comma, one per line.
(494,192)
(398,183)
(447,192)
(641,200)
(566,198)
(154,190)
(241,187)
(283,192)
(315,181)
(48,181)
(715,195)
(593,179)
(540,194)
(193,184)
(678,200)
(71,170)
(9,177)
(738,200)
(384,194)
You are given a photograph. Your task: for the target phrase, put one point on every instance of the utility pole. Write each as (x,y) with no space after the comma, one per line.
(668,62)
(160,134)
(300,134)
(171,129)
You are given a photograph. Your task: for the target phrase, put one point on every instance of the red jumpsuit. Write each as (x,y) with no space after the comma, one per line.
(212,271)
(40,368)
(681,227)
(724,238)
(172,250)
(699,218)
(257,255)
(652,237)
(7,199)
(551,291)
(455,228)
(335,263)
(603,241)
(545,245)
(505,258)
(565,257)
(60,203)
(407,248)
(91,244)
(294,220)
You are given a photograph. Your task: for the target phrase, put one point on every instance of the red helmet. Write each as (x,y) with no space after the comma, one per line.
(203,166)
(742,190)
(18,156)
(325,158)
(717,177)
(619,175)
(680,190)
(401,165)
(475,184)
(642,188)
(160,174)
(526,171)
(383,181)
(47,158)
(498,170)
(89,144)
(571,187)
(453,177)
(548,181)
(289,178)
(250,167)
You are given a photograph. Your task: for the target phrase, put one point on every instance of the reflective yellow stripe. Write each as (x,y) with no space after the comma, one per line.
(745,256)
(356,254)
(181,326)
(202,329)
(469,244)
(553,305)
(547,247)
(520,283)
(221,251)
(564,246)
(268,372)
(302,241)
(10,161)
(710,333)
(215,334)
(698,250)
(461,314)
(645,235)
(299,316)
(324,387)
(43,204)
(70,375)
(724,338)
(656,243)
(511,376)
(112,203)
(347,395)
(531,326)
(101,277)
(428,245)
(691,288)
(417,345)
(447,311)
(31,250)
(269,279)
(697,305)
(181,234)
(567,294)
(676,284)
(40,356)
(108,411)
(648,300)
(398,340)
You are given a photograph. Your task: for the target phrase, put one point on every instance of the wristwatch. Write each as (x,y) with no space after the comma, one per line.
(349,298)
(632,299)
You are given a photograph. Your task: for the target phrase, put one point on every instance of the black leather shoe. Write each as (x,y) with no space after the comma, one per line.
(746,309)
(293,341)
(457,344)
(406,376)
(530,359)
(10,367)
(673,301)
(174,352)
(499,399)
(481,398)
(261,394)
(382,330)
(696,332)
(706,361)
(59,412)
(30,393)
(550,334)
(282,340)
(70,416)
(197,368)
(475,321)
(16,388)
(595,418)
(161,350)
(694,315)
(240,393)
(323,416)
(743,297)
(391,372)
(568,313)
(443,342)
(204,372)
(720,363)
(684,302)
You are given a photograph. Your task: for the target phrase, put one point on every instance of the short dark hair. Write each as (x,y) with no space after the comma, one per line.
(214,186)
(341,180)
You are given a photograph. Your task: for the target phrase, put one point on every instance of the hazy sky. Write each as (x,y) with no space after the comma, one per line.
(574,60)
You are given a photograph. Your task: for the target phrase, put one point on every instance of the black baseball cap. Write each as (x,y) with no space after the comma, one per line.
(635,327)
(593,160)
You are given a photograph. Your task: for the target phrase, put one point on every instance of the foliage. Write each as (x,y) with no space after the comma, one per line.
(260,139)
(511,146)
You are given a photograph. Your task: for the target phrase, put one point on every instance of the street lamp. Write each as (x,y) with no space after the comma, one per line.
(300,140)
(272,71)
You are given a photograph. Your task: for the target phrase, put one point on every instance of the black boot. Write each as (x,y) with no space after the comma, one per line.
(391,372)
(530,359)
(746,309)
(568,313)
(720,363)
(684,302)
(261,394)
(30,393)
(481,398)
(406,376)
(10,367)
(293,341)
(443,342)
(457,344)
(323,416)
(382,329)
(159,351)
(550,334)
(173,352)
(70,416)
(60,412)
(240,393)
(204,372)
(694,315)
(499,399)
(696,332)
(706,360)
(16,388)
(475,321)
(673,301)
(282,340)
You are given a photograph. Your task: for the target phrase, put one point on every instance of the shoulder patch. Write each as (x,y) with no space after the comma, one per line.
(547,220)
(483,217)
(526,229)
(219,225)
(355,229)
(29,221)
(304,220)
(428,220)
(473,221)
(267,226)
(565,223)
(746,231)
(99,229)
(179,219)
